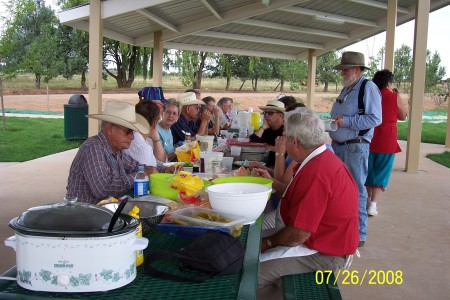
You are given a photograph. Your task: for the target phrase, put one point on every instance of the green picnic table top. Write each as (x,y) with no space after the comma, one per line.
(237,286)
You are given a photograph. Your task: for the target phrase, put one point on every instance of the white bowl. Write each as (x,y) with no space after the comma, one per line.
(242,199)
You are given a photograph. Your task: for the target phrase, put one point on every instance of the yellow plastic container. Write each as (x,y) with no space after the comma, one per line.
(255,118)
(139,253)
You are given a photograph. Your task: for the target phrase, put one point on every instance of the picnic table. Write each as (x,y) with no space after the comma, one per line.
(236,286)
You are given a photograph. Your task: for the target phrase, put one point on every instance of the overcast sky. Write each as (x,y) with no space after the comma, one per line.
(438,38)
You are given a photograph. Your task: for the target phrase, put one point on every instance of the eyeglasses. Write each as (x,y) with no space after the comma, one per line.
(269,113)
(171,113)
(125,130)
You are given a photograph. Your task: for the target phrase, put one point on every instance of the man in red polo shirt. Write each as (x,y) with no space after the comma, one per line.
(317,219)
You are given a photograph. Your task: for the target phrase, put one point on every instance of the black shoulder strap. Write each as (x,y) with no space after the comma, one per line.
(361,108)
(150,270)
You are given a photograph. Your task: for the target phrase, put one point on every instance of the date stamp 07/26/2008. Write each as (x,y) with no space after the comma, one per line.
(355,277)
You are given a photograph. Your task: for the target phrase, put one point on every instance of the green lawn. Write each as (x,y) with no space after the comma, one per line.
(440,158)
(433,133)
(28,138)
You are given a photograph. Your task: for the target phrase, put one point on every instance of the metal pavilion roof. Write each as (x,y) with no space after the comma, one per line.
(281,29)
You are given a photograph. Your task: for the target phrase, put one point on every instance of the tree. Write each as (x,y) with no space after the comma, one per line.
(192,65)
(325,69)
(74,44)
(240,67)
(402,65)
(375,63)
(289,70)
(124,57)
(33,26)
(259,68)
(434,73)
(223,68)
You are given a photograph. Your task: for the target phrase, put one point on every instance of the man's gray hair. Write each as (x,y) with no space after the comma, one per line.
(305,126)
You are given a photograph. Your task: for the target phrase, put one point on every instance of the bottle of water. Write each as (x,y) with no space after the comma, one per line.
(141,183)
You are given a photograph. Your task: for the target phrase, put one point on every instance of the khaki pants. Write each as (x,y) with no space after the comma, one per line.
(271,271)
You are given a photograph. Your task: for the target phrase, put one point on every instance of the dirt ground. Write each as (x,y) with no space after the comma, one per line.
(55,102)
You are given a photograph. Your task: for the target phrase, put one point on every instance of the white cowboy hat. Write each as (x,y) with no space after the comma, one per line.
(124,114)
(273,105)
(351,59)
(189,98)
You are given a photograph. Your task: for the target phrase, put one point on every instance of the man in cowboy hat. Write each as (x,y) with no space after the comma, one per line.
(271,129)
(101,169)
(186,123)
(355,121)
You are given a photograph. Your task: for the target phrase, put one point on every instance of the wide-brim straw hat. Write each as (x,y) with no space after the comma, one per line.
(124,114)
(189,98)
(351,59)
(273,105)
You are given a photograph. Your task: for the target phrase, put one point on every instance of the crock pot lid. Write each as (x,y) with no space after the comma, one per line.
(67,216)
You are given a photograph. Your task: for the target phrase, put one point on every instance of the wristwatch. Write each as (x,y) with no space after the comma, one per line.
(279,154)
(269,243)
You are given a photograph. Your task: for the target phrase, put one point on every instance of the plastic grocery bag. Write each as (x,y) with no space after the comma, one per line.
(189,152)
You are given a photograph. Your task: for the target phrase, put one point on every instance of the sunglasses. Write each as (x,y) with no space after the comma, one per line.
(269,113)
(125,130)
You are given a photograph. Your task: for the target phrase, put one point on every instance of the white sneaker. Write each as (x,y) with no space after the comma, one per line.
(372,211)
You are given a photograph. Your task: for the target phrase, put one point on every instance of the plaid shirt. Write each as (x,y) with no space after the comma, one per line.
(97,173)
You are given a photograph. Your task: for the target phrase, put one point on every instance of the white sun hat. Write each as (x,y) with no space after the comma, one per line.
(124,114)
(273,105)
(188,98)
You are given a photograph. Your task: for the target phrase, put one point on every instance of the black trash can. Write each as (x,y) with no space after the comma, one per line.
(75,120)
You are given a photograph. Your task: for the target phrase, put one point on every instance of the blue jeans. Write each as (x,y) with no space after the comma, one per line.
(356,157)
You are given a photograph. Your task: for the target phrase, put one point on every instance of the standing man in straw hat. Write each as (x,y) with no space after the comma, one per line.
(272,128)
(186,123)
(355,120)
(101,169)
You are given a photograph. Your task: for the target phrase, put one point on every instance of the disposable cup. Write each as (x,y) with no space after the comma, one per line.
(206,142)
(227,163)
(330,125)
(235,151)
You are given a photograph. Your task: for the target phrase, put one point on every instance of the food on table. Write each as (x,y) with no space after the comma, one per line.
(199,217)
(187,183)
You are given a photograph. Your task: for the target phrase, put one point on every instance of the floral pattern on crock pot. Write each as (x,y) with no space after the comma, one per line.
(81,279)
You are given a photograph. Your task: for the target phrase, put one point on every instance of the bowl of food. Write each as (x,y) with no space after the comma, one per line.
(240,198)
(150,213)
(244,179)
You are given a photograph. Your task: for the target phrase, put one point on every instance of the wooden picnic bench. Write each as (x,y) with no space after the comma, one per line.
(304,286)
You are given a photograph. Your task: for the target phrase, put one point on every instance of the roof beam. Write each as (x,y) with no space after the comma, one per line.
(290,28)
(226,50)
(110,8)
(242,12)
(211,9)
(381,5)
(256,39)
(157,19)
(84,25)
(311,12)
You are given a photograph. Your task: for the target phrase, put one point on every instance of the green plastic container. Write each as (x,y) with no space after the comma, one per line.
(160,186)
(247,179)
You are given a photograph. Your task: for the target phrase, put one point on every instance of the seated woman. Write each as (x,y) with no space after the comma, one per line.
(170,116)
(225,119)
(147,149)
